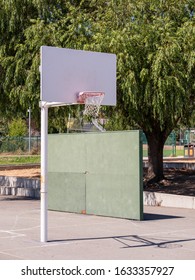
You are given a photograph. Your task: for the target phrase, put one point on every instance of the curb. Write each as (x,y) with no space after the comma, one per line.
(168,200)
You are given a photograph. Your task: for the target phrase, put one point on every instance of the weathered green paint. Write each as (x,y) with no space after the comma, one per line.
(96,173)
(67,191)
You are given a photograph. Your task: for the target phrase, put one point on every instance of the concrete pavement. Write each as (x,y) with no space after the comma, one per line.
(165,234)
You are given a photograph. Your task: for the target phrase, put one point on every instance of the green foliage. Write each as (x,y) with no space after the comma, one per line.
(116,120)
(154,43)
(18,127)
(26,25)
(155,47)
(152,59)
(153,40)
(3,126)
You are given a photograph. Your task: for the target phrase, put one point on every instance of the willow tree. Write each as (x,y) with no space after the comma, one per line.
(155,46)
(157,73)
(25,25)
(15,16)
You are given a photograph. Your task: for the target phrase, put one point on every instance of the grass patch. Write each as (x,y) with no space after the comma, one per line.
(167,153)
(11,159)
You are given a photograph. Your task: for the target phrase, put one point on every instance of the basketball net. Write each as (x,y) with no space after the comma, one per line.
(92,101)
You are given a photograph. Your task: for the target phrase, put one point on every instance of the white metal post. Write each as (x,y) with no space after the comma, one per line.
(29,130)
(44,187)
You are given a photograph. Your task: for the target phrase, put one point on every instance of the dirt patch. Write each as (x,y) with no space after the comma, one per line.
(177,181)
(25,172)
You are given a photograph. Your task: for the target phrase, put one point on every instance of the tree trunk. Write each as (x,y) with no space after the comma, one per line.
(155,156)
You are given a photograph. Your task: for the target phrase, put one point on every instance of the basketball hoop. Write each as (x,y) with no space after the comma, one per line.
(92,101)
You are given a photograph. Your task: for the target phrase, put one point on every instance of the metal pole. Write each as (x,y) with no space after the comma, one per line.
(29,130)
(44,188)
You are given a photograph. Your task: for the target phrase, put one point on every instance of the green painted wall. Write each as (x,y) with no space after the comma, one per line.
(96,173)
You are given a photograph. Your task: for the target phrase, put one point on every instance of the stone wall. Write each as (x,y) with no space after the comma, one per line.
(19,186)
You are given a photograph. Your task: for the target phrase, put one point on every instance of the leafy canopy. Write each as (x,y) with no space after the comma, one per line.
(153,40)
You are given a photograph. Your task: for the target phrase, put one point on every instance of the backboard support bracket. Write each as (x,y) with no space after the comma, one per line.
(54,104)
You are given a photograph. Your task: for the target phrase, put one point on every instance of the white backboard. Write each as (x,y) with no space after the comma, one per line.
(66,72)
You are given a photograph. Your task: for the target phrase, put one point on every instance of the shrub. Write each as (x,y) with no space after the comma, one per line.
(17,127)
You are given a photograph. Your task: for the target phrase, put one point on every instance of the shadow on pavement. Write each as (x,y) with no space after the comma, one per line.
(134,241)
(149,216)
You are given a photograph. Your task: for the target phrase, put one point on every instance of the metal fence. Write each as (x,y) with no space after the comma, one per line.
(180,137)
(23,144)
(32,145)
(175,143)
